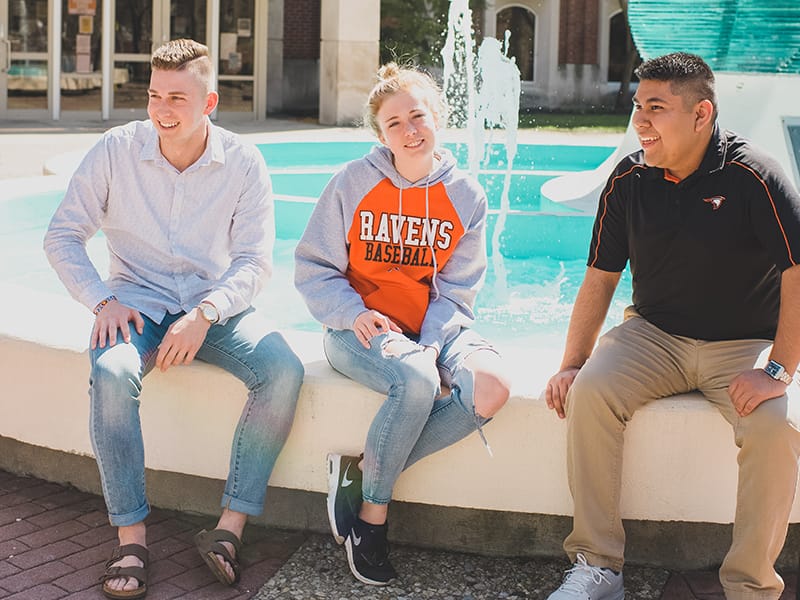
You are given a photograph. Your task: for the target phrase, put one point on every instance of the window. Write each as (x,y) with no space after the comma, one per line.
(792,125)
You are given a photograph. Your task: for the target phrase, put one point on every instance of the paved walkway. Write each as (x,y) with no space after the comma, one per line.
(54,541)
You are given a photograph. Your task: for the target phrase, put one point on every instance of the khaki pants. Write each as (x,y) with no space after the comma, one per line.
(636,363)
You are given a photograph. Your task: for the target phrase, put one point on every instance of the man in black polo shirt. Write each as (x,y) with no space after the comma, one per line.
(711,227)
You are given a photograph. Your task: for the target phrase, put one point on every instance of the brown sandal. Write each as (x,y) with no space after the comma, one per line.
(138,573)
(209,544)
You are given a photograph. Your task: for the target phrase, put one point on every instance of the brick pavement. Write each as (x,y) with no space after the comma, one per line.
(54,541)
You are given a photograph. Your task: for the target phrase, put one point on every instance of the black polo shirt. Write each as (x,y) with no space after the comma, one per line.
(706,253)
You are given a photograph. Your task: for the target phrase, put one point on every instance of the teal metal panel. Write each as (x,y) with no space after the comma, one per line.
(748,36)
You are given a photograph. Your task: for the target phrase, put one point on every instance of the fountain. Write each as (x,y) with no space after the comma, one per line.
(484,93)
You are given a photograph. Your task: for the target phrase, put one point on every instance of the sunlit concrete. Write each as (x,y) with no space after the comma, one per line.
(680,459)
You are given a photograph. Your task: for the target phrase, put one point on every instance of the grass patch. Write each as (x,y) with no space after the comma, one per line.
(579,122)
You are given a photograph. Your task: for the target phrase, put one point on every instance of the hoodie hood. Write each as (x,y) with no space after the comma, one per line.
(381,158)
(414,251)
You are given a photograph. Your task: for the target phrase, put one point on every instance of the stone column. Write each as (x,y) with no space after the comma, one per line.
(349,55)
(275,56)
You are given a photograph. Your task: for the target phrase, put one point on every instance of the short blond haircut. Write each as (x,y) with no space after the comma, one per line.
(393,78)
(185,55)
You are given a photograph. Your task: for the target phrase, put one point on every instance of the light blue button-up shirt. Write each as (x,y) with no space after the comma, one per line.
(174,238)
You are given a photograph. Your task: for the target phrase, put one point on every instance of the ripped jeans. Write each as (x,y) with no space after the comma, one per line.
(413,421)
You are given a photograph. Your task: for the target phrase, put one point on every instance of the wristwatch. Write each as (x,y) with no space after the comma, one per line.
(776,371)
(211,314)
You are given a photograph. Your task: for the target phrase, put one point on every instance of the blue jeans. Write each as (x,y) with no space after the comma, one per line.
(412,422)
(244,347)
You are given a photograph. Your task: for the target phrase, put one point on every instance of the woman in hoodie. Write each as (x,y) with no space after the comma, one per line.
(390,263)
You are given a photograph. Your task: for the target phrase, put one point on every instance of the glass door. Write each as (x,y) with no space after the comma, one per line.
(142,26)
(236,66)
(81,78)
(24,74)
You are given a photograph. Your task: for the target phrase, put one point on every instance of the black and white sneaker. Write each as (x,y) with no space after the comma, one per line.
(368,553)
(344,494)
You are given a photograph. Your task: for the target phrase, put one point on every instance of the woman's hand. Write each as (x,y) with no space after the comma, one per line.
(371,323)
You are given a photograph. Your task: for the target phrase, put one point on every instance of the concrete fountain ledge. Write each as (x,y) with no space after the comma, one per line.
(679,475)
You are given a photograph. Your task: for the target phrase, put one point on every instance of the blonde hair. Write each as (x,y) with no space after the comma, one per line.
(393,78)
(185,54)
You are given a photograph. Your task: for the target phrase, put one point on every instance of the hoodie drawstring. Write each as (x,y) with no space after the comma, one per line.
(430,241)
(427,220)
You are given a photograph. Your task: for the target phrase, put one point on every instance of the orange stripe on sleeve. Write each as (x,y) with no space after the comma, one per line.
(772,203)
(605,209)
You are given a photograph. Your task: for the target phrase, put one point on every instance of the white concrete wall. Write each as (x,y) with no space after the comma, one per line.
(754,105)
(680,460)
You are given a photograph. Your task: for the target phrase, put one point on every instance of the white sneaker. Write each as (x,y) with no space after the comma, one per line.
(585,582)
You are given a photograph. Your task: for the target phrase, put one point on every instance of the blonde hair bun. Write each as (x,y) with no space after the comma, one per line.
(393,78)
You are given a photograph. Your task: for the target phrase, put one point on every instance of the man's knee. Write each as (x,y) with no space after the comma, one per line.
(597,396)
(589,387)
(274,362)
(773,422)
(117,372)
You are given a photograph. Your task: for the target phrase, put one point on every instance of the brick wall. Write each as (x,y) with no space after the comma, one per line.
(577,32)
(301,29)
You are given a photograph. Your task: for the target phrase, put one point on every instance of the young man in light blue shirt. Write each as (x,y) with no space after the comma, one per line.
(188,215)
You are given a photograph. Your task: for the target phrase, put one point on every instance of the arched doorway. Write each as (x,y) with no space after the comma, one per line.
(521,22)
(619,46)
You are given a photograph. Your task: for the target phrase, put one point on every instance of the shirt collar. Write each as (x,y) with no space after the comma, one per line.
(716,152)
(150,149)
(214,152)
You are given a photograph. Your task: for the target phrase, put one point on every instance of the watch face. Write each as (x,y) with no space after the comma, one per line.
(773,369)
(209,312)
(777,371)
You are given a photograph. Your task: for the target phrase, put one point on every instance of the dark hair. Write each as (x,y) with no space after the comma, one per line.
(688,75)
(184,54)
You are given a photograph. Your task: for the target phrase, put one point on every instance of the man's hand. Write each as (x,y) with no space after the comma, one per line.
(112,318)
(751,388)
(182,340)
(557,387)
(371,323)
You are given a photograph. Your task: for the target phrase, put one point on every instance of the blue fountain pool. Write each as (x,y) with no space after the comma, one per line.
(543,245)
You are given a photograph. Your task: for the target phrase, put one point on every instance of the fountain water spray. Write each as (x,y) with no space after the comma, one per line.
(459,69)
(483,92)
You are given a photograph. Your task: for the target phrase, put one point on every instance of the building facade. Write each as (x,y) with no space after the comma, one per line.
(89,59)
(571,53)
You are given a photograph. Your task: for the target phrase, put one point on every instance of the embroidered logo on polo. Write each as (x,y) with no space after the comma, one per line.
(714,201)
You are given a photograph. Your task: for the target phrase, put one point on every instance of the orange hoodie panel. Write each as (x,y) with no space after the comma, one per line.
(391,261)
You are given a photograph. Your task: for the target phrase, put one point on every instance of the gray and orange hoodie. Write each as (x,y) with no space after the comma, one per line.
(415,252)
